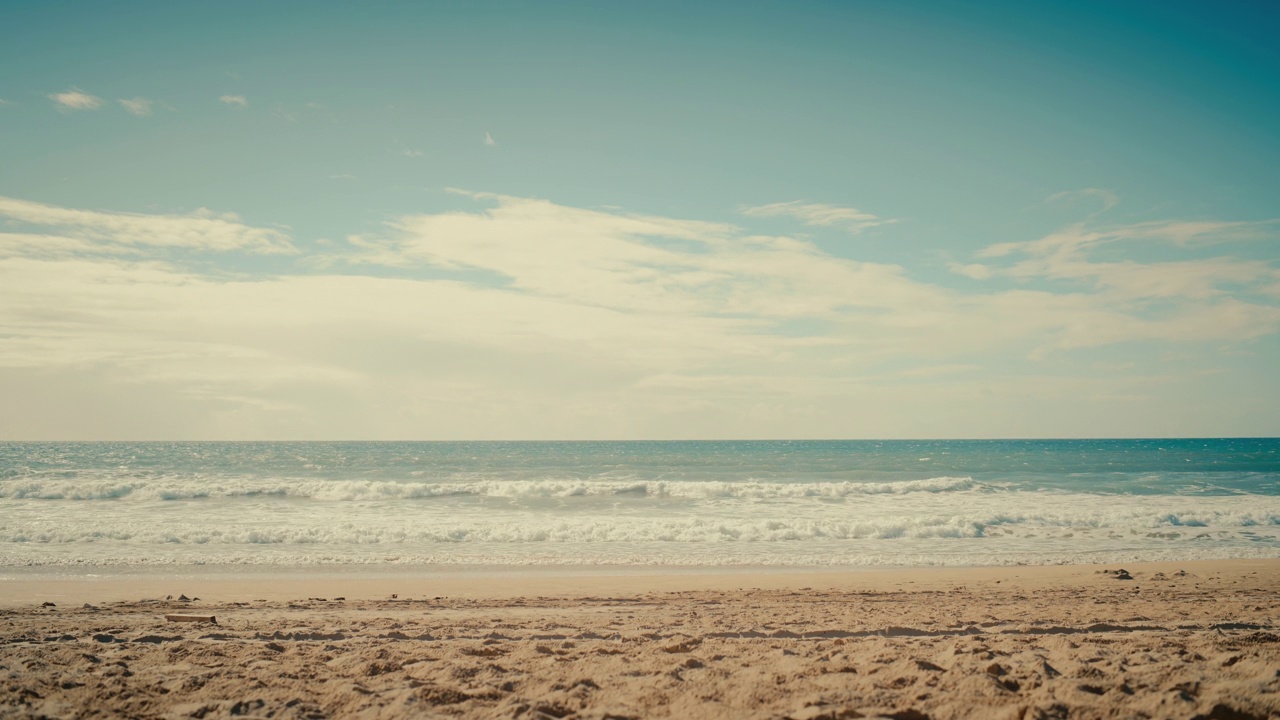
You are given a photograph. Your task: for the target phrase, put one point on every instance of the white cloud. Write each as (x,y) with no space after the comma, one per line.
(677,268)
(202,229)
(4,102)
(643,262)
(1193,299)
(1106,198)
(819,214)
(279,112)
(519,317)
(975,271)
(138,106)
(1066,255)
(40,245)
(412,153)
(235,100)
(1080,237)
(488,140)
(74,99)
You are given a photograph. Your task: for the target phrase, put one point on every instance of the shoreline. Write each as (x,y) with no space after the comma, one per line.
(20,586)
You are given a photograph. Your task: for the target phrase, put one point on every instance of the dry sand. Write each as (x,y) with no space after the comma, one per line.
(1175,641)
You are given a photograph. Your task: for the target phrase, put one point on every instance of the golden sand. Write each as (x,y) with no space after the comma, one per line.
(1174,641)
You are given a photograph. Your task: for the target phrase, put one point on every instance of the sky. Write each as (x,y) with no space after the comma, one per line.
(516,220)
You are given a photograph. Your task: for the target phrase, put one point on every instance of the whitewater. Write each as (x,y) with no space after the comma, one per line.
(727,503)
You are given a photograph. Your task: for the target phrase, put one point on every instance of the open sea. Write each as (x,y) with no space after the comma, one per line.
(729,503)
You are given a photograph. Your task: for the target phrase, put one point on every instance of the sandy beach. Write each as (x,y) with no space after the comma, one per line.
(1180,640)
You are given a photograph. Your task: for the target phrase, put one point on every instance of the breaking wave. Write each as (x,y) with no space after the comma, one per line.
(195,487)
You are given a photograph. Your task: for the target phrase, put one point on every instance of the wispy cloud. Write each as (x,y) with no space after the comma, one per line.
(1082,236)
(412,153)
(660,265)
(819,215)
(75,99)
(974,271)
(1200,297)
(202,229)
(280,112)
(235,100)
(139,106)
(489,141)
(45,245)
(1105,198)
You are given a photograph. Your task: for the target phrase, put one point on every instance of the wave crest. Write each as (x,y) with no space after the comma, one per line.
(196,487)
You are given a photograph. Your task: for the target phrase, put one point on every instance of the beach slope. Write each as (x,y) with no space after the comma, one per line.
(1196,640)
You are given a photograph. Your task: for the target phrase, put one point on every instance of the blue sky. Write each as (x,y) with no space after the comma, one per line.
(657,220)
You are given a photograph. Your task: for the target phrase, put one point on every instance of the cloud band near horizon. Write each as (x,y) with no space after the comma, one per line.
(574,322)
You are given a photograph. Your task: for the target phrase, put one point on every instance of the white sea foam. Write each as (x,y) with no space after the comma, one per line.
(197,487)
(779,518)
(711,556)
(669,513)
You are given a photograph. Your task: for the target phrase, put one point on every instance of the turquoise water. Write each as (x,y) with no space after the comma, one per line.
(781,503)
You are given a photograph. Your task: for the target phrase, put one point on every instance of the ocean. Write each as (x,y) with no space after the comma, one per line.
(637,504)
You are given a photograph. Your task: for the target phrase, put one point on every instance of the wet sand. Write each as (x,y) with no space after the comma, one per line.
(1182,640)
